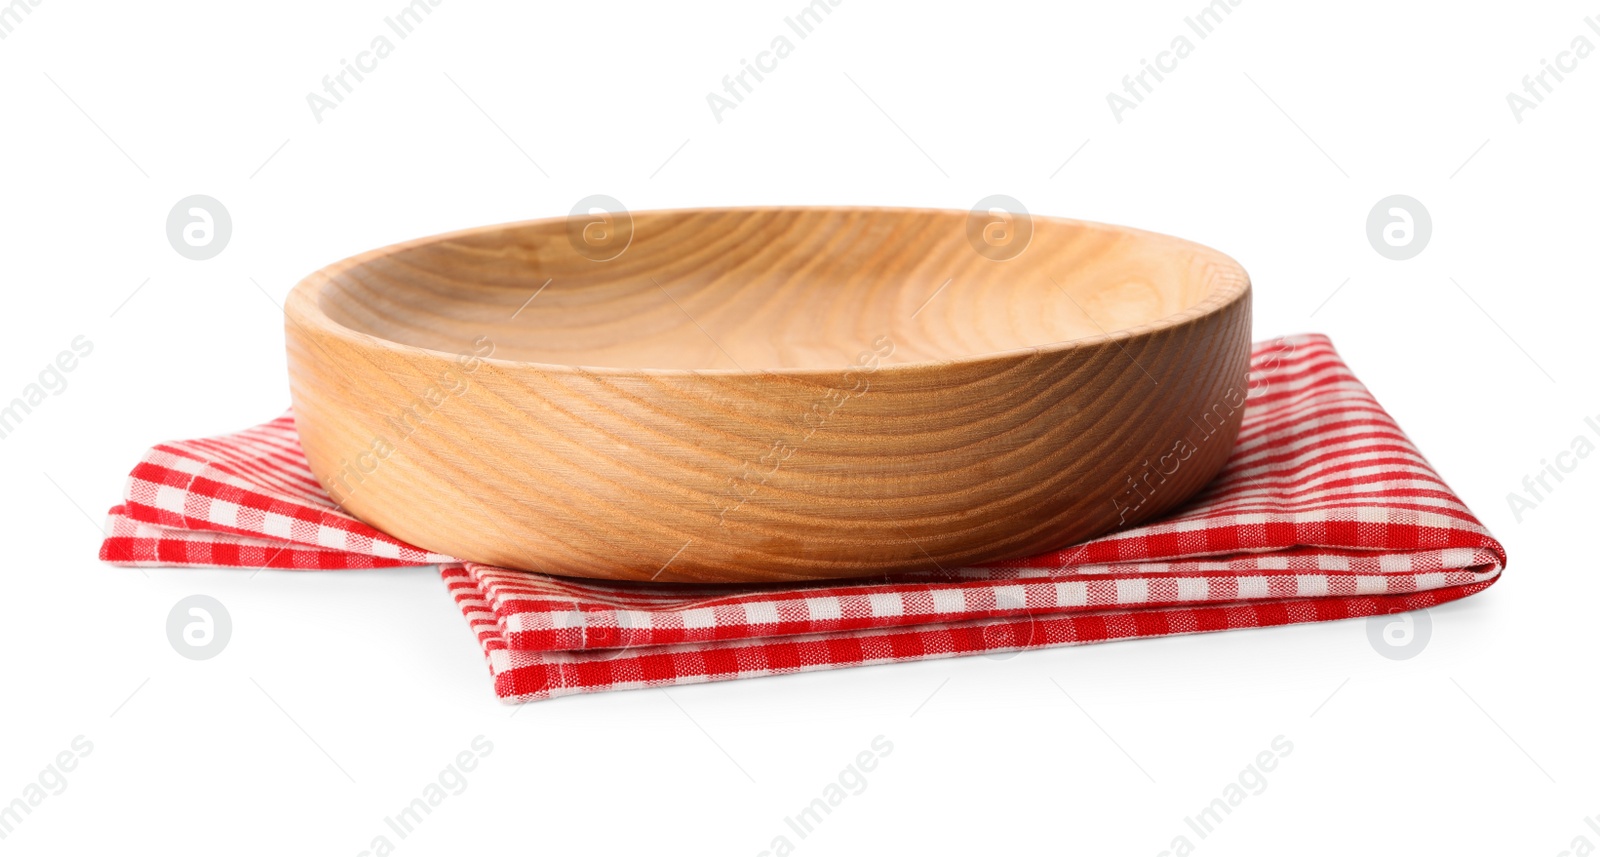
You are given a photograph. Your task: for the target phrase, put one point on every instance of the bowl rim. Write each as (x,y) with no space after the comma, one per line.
(303,309)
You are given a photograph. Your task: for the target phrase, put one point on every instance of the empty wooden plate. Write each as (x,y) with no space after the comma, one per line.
(768,394)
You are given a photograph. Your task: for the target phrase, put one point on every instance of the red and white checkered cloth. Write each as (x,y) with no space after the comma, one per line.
(1324,511)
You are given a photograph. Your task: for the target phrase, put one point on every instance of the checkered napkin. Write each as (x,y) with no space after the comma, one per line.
(1324,511)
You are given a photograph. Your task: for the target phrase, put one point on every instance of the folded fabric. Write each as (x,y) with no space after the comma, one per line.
(1324,511)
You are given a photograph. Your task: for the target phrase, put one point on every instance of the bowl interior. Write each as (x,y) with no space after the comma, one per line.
(787,288)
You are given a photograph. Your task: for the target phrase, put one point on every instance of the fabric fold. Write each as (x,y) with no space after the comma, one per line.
(1325,510)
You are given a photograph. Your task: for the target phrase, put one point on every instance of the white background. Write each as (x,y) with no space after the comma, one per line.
(342,694)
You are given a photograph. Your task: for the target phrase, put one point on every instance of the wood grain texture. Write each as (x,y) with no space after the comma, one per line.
(767,394)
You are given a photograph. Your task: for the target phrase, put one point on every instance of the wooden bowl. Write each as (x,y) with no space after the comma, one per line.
(768,394)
